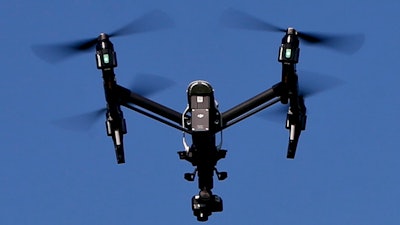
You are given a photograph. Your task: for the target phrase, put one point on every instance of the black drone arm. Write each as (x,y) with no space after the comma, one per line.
(155,110)
(251,106)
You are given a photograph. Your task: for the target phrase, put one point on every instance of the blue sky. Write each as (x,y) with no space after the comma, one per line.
(346,167)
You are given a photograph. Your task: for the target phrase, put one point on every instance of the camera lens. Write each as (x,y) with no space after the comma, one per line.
(202,217)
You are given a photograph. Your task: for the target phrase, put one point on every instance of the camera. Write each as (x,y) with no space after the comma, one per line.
(204,204)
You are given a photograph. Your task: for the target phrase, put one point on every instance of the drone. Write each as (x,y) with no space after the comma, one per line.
(201,119)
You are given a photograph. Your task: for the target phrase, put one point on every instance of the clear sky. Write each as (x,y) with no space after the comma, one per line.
(346,167)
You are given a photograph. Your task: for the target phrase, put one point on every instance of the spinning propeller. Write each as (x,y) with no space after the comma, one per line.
(143,84)
(151,21)
(308,87)
(347,43)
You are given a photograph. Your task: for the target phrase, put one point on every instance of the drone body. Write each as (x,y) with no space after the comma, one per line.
(202,119)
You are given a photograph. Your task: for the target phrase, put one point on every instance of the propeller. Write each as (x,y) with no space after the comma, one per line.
(151,21)
(144,84)
(147,84)
(347,43)
(308,87)
(80,122)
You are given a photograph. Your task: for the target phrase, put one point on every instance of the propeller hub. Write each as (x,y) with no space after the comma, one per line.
(291,30)
(103,37)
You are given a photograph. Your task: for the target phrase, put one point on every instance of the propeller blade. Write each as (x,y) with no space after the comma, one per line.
(344,43)
(311,83)
(147,84)
(276,113)
(237,19)
(54,53)
(143,84)
(81,122)
(152,21)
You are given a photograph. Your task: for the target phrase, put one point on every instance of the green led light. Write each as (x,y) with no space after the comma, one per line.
(288,53)
(106,58)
